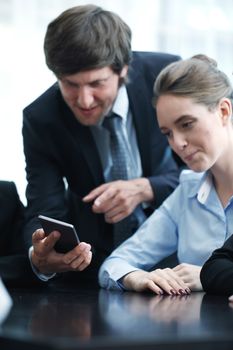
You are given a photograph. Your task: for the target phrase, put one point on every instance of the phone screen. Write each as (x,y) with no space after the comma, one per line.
(69,238)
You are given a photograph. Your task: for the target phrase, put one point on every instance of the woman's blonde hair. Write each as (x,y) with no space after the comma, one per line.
(198,78)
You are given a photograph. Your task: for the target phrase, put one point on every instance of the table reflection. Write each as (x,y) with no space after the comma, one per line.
(83,316)
(53,318)
(128,311)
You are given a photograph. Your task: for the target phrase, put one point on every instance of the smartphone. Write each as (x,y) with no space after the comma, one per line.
(69,238)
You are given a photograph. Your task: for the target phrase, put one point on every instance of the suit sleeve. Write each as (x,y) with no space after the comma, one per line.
(46,189)
(217,272)
(158,162)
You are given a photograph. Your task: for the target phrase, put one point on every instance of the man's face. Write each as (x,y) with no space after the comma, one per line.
(91,94)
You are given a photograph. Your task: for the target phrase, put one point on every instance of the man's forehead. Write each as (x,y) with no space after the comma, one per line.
(89,75)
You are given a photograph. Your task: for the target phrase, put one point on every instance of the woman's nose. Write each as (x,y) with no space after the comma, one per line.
(180,141)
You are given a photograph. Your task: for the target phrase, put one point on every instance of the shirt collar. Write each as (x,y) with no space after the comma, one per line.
(121,104)
(120,107)
(202,189)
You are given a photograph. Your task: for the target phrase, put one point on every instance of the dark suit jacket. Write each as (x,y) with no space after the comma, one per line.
(14,263)
(217,272)
(58,147)
(11,219)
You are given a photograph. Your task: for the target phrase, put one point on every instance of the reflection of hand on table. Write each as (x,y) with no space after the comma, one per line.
(160,308)
(70,319)
(184,308)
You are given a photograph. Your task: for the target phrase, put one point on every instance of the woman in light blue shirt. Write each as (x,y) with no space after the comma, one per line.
(194,101)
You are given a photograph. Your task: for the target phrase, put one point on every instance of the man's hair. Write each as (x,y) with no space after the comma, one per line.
(87,37)
(197,78)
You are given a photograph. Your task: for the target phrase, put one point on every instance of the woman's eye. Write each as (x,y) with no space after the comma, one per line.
(187,125)
(167,134)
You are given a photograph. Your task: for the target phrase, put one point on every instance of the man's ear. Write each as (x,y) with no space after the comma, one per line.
(225,108)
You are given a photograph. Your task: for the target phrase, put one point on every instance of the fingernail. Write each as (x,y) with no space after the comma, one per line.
(97,202)
(181,291)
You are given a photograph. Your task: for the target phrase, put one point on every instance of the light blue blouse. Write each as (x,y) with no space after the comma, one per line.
(191,221)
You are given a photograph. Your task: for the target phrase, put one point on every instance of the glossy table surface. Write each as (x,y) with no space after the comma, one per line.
(86,318)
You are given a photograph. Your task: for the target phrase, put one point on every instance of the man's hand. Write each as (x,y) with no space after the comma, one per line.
(158,281)
(190,275)
(47,260)
(118,199)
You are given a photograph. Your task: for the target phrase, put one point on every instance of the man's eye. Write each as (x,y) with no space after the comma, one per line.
(70,84)
(98,83)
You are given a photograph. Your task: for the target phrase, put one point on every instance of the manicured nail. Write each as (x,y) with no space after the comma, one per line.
(181,291)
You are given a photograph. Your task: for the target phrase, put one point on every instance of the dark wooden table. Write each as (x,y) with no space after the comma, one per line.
(86,318)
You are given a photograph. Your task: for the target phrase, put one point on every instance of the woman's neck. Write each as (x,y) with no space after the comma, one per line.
(223,178)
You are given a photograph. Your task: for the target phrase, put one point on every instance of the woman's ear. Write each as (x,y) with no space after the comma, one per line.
(124,71)
(225,108)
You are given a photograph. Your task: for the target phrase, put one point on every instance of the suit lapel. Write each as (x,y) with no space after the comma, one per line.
(140,106)
(90,153)
(87,145)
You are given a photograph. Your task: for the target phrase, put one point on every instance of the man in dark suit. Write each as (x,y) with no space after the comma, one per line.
(14,264)
(67,148)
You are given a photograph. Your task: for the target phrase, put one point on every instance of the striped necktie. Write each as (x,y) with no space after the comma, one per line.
(120,162)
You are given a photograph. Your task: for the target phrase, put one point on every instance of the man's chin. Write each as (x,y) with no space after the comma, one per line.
(88,121)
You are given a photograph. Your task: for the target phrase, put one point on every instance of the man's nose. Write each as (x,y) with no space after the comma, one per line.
(85,98)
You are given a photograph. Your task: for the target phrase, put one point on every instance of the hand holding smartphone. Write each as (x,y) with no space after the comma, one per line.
(68,239)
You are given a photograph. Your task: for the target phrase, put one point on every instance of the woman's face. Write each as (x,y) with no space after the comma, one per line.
(196,133)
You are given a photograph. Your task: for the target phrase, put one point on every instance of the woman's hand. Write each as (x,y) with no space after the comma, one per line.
(190,274)
(158,281)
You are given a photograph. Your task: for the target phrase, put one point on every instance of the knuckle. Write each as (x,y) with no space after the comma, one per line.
(183,265)
(167,269)
(41,262)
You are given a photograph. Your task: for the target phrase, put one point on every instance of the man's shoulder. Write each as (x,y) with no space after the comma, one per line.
(9,198)
(153,58)
(148,65)
(7,188)
(49,98)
